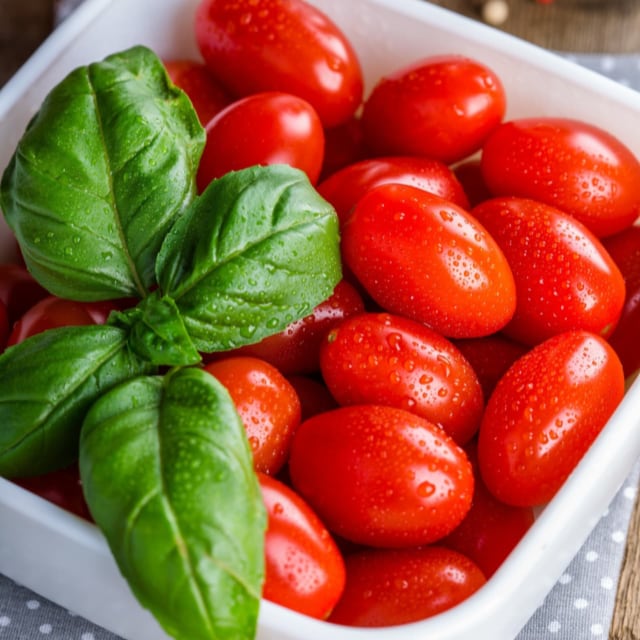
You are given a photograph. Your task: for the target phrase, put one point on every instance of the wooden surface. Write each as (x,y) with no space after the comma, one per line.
(598,26)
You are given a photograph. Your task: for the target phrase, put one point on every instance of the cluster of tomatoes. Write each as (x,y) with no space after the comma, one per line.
(404,431)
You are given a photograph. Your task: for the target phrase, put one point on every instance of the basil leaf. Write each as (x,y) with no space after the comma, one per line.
(157,332)
(258,250)
(99,176)
(47,384)
(168,476)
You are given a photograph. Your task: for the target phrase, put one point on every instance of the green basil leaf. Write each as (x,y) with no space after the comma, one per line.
(157,332)
(258,250)
(99,176)
(47,384)
(168,476)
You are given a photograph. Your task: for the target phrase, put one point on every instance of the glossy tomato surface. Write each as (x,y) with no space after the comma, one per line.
(544,414)
(569,164)
(395,586)
(380,475)
(197,81)
(491,529)
(281,45)
(382,358)
(423,257)
(304,569)
(51,312)
(624,249)
(344,188)
(565,279)
(290,133)
(267,403)
(296,350)
(441,107)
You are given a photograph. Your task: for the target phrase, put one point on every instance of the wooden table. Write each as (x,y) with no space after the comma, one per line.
(566,25)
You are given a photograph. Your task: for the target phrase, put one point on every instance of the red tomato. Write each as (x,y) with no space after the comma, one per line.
(343,145)
(18,290)
(296,350)
(442,107)
(380,358)
(344,188)
(4,326)
(381,476)
(565,279)
(423,257)
(267,403)
(62,487)
(490,356)
(197,81)
(624,248)
(395,586)
(51,312)
(572,165)
(469,174)
(304,569)
(491,529)
(313,394)
(544,414)
(290,133)
(281,45)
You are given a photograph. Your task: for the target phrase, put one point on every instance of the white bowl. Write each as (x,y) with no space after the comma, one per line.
(66,559)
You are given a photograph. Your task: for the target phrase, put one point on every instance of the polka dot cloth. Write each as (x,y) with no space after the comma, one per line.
(579,606)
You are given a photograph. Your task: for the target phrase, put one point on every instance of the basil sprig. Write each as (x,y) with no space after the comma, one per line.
(101,196)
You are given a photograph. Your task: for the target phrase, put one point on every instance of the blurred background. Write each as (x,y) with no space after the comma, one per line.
(581,26)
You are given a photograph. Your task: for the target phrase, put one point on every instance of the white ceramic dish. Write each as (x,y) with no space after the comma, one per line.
(67,560)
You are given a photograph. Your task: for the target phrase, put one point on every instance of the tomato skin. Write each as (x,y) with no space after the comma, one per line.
(571,165)
(62,487)
(624,249)
(18,290)
(267,403)
(442,107)
(304,569)
(490,356)
(343,145)
(469,174)
(423,257)
(565,279)
(197,81)
(395,586)
(296,350)
(314,396)
(4,326)
(290,133)
(381,476)
(544,414)
(248,44)
(491,529)
(381,358)
(51,312)
(344,188)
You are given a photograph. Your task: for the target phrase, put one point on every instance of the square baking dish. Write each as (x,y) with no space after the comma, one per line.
(66,559)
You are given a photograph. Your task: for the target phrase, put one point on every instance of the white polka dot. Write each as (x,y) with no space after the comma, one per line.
(565,578)
(580,603)
(606,582)
(87,636)
(32,604)
(45,628)
(618,536)
(597,629)
(553,626)
(5,621)
(591,556)
(629,493)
